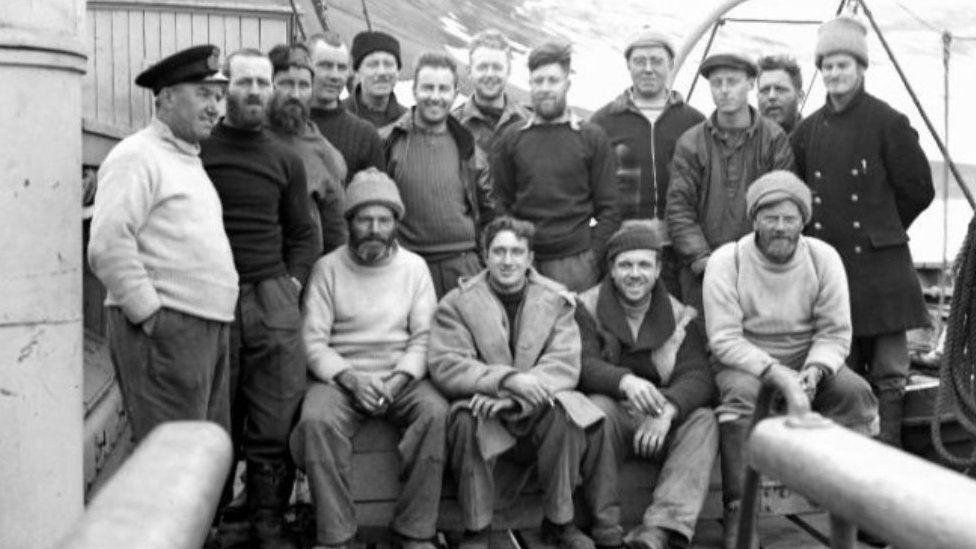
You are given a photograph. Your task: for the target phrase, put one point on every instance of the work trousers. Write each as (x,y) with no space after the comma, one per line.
(564,455)
(321,445)
(578,272)
(684,467)
(447,269)
(180,372)
(882,359)
(844,397)
(268,372)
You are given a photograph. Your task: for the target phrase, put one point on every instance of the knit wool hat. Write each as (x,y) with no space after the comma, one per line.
(646,37)
(367,42)
(372,186)
(842,35)
(775,186)
(637,234)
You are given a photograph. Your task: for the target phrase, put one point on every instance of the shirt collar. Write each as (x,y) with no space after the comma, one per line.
(165,133)
(568,117)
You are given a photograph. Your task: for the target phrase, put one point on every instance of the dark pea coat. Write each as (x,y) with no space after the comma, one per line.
(870,179)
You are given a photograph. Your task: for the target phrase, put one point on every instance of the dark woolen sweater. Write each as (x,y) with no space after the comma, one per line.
(558,177)
(261,183)
(356,139)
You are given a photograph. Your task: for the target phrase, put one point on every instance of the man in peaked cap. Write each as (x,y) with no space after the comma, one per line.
(376,61)
(158,246)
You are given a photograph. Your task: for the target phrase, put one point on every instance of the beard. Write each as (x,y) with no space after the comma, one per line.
(371,247)
(778,247)
(240,116)
(549,107)
(288,116)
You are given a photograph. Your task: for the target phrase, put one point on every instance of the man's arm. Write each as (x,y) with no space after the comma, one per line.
(596,374)
(374,155)
(483,188)
(324,363)
(297,228)
(686,171)
(603,183)
(503,170)
(414,360)
(692,385)
(558,365)
(907,168)
(832,312)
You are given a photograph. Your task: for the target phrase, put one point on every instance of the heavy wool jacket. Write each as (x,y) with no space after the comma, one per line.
(870,179)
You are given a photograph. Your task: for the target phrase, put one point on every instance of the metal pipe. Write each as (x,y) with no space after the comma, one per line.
(908,501)
(164,496)
(843,533)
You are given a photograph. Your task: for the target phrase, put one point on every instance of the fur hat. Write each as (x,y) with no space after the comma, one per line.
(842,35)
(367,42)
(647,37)
(775,186)
(372,186)
(636,234)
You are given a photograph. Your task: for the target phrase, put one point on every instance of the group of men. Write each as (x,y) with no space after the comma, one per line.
(502,282)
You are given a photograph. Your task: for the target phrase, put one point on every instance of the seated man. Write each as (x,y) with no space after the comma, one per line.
(504,347)
(367,320)
(645,366)
(777,312)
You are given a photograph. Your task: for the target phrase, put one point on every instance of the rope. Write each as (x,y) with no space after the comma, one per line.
(956,395)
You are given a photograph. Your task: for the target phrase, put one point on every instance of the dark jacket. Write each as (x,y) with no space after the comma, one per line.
(668,341)
(380,120)
(470,116)
(636,141)
(870,179)
(474,168)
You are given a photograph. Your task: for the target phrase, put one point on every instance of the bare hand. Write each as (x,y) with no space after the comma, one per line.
(787,381)
(394,383)
(528,387)
(368,391)
(642,394)
(650,436)
(489,407)
(698,266)
(809,378)
(149,324)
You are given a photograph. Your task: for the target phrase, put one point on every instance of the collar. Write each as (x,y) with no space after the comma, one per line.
(470,111)
(711,123)
(164,132)
(392,106)
(568,117)
(625,102)
(658,324)
(859,95)
(462,137)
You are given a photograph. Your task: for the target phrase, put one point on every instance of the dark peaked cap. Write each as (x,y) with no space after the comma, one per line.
(189,65)
(728,61)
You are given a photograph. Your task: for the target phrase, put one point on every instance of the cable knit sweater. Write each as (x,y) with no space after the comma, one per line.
(795,313)
(157,235)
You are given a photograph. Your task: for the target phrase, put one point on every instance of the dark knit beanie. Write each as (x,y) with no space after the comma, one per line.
(284,57)
(367,42)
(372,186)
(636,234)
(775,186)
(842,35)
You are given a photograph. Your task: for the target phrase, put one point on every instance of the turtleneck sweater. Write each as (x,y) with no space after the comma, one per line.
(356,139)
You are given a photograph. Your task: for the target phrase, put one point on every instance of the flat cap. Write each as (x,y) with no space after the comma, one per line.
(728,61)
(647,37)
(193,64)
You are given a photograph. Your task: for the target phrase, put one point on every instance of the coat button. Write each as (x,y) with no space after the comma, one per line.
(817,226)
(817,174)
(856,224)
(817,200)
(857,249)
(854,197)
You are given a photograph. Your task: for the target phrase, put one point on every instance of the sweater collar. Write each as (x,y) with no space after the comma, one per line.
(393,107)
(164,132)
(658,324)
(625,102)
(470,111)
(711,123)
(568,117)
(856,100)
(238,134)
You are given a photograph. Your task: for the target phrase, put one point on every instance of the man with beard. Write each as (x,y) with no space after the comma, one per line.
(557,171)
(644,124)
(780,90)
(325,169)
(376,60)
(490,109)
(714,163)
(777,312)
(261,183)
(870,180)
(158,245)
(645,365)
(442,176)
(356,139)
(367,322)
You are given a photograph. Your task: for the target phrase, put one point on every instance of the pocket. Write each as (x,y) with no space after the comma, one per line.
(169,324)
(281,303)
(888,239)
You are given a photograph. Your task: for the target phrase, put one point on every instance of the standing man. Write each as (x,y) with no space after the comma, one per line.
(325,169)
(376,60)
(442,176)
(158,245)
(870,180)
(557,171)
(713,165)
(505,348)
(490,109)
(261,183)
(780,90)
(645,366)
(644,124)
(356,139)
(367,322)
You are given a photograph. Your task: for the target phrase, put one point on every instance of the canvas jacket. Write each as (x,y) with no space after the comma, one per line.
(469,115)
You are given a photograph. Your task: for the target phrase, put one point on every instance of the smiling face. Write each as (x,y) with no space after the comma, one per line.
(378,73)
(548,85)
(489,70)
(249,91)
(778,227)
(434,91)
(331,64)
(730,89)
(842,74)
(779,100)
(650,67)
(634,273)
(508,259)
(191,109)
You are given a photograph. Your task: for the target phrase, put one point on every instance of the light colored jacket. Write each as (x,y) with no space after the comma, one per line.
(469,351)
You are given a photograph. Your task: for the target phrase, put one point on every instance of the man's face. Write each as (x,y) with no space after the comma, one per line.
(650,67)
(434,93)
(331,65)
(730,89)
(372,231)
(634,273)
(508,259)
(548,85)
(193,109)
(778,99)
(378,73)
(778,228)
(249,91)
(489,71)
(292,94)
(841,73)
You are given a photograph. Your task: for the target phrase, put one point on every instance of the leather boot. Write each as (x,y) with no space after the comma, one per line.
(268,488)
(732,437)
(890,409)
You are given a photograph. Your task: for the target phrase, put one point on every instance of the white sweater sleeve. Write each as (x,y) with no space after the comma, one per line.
(832,310)
(414,360)
(324,363)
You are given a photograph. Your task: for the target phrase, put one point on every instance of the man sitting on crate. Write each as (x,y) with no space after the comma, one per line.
(777,312)
(504,347)
(367,316)
(645,365)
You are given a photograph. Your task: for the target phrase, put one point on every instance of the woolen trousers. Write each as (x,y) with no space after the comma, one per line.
(447,269)
(578,272)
